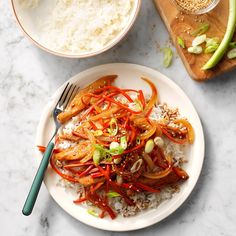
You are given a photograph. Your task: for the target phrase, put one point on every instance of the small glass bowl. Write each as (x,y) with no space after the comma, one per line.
(199,12)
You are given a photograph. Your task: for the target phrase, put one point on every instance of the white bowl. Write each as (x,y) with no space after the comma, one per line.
(28,19)
(128,77)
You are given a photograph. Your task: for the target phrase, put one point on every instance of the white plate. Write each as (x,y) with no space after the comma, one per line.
(29,20)
(129,77)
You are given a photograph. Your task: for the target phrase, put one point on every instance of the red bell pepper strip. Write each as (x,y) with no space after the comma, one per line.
(86,171)
(64,176)
(115,186)
(93,125)
(126,122)
(104,172)
(130,186)
(149,112)
(118,190)
(146,188)
(133,134)
(100,120)
(86,113)
(96,175)
(175,140)
(103,143)
(121,105)
(116,157)
(116,89)
(80,200)
(134,148)
(94,170)
(102,214)
(97,186)
(96,200)
(106,125)
(109,105)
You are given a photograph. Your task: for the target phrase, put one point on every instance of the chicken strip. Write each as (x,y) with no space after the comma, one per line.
(76,105)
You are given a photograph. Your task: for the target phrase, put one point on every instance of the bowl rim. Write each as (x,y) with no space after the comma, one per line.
(86,55)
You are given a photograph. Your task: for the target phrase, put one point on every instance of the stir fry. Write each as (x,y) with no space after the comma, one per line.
(115,148)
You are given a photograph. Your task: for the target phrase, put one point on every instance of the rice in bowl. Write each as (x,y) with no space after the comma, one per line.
(78,27)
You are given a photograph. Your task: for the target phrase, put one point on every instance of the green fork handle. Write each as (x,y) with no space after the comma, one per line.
(35,187)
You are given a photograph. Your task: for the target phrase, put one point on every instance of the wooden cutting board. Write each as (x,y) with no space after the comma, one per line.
(180,24)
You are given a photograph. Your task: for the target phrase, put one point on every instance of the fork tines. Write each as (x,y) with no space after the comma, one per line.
(67,95)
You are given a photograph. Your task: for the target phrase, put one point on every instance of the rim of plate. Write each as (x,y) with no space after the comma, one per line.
(201,152)
(85,55)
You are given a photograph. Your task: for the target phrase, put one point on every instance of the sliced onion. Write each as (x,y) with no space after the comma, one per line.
(119,179)
(149,161)
(136,166)
(158,175)
(199,40)
(154,97)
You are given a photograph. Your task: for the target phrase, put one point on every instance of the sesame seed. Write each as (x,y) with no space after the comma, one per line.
(193,5)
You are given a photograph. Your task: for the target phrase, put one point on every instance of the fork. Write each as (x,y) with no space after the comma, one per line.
(67,95)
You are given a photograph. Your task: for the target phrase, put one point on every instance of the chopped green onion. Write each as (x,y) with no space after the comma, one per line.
(203,28)
(212,41)
(116,151)
(113,130)
(138,141)
(112,194)
(149,146)
(103,151)
(100,148)
(114,145)
(231,25)
(195,50)
(97,133)
(96,157)
(232,45)
(211,48)
(199,40)
(123,142)
(108,158)
(180,41)
(168,54)
(117,160)
(212,44)
(93,213)
(232,53)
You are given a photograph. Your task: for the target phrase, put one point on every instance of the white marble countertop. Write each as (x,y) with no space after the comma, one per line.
(28,76)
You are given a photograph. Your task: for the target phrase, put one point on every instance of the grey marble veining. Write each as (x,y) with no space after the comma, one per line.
(28,76)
